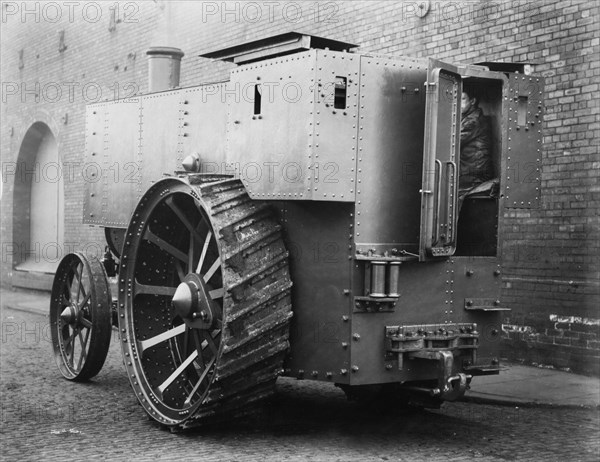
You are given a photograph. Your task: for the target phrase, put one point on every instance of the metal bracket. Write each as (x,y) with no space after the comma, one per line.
(374,305)
(484,304)
(425,341)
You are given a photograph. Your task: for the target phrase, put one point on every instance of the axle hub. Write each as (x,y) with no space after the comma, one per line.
(192,302)
(70,314)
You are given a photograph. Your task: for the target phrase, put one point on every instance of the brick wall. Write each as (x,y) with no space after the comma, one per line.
(551,253)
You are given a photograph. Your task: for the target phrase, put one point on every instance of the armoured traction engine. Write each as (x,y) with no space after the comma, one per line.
(299,219)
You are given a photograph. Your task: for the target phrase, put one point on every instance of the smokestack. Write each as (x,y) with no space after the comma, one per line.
(163,64)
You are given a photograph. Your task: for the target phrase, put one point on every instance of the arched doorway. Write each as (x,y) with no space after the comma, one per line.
(38,202)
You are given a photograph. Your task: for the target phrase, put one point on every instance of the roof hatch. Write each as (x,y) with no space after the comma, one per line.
(276,45)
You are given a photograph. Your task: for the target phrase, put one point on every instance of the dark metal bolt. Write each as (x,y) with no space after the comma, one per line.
(470,272)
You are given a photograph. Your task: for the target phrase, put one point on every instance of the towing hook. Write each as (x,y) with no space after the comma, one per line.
(455,387)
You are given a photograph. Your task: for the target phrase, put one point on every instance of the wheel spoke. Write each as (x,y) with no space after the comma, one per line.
(85,300)
(185,341)
(207,369)
(145,344)
(86,323)
(165,246)
(66,293)
(199,347)
(79,282)
(183,218)
(213,269)
(154,290)
(163,386)
(216,293)
(180,271)
(211,343)
(83,343)
(71,338)
(191,254)
(204,249)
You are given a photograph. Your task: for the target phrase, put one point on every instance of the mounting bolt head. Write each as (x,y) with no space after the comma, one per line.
(356,337)
(354,368)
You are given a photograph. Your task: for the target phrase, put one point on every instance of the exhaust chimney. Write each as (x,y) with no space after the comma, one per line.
(163,64)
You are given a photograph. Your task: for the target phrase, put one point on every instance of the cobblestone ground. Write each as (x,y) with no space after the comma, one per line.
(44,417)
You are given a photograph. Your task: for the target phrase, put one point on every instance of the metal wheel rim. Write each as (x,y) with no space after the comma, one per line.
(171,360)
(79,317)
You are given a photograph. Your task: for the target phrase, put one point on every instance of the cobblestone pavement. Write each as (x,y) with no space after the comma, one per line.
(44,417)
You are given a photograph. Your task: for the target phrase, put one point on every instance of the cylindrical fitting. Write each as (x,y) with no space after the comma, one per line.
(367,279)
(164,64)
(378,279)
(394,279)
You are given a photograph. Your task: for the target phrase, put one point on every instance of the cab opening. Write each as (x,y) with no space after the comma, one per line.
(477,228)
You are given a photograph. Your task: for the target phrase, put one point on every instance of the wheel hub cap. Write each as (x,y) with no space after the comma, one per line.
(70,314)
(193,304)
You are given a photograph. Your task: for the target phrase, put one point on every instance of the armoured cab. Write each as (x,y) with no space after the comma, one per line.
(394,282)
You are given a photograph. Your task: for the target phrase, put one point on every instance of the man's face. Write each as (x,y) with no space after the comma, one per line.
(465,102)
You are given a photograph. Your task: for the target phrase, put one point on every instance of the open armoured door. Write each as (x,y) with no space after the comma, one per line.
(441,158)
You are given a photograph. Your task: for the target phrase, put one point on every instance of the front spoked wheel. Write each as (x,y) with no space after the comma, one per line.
(80,317)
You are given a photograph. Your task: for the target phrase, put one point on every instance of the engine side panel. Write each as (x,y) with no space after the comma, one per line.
(289,136)
(321,295)
(336,122)
(112,168)
(131,144)
(270,126)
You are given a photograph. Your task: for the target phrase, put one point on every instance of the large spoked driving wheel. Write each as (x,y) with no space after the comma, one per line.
(80,317)
(204,302)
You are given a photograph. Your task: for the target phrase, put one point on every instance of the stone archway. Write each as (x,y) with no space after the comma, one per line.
(38,202)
